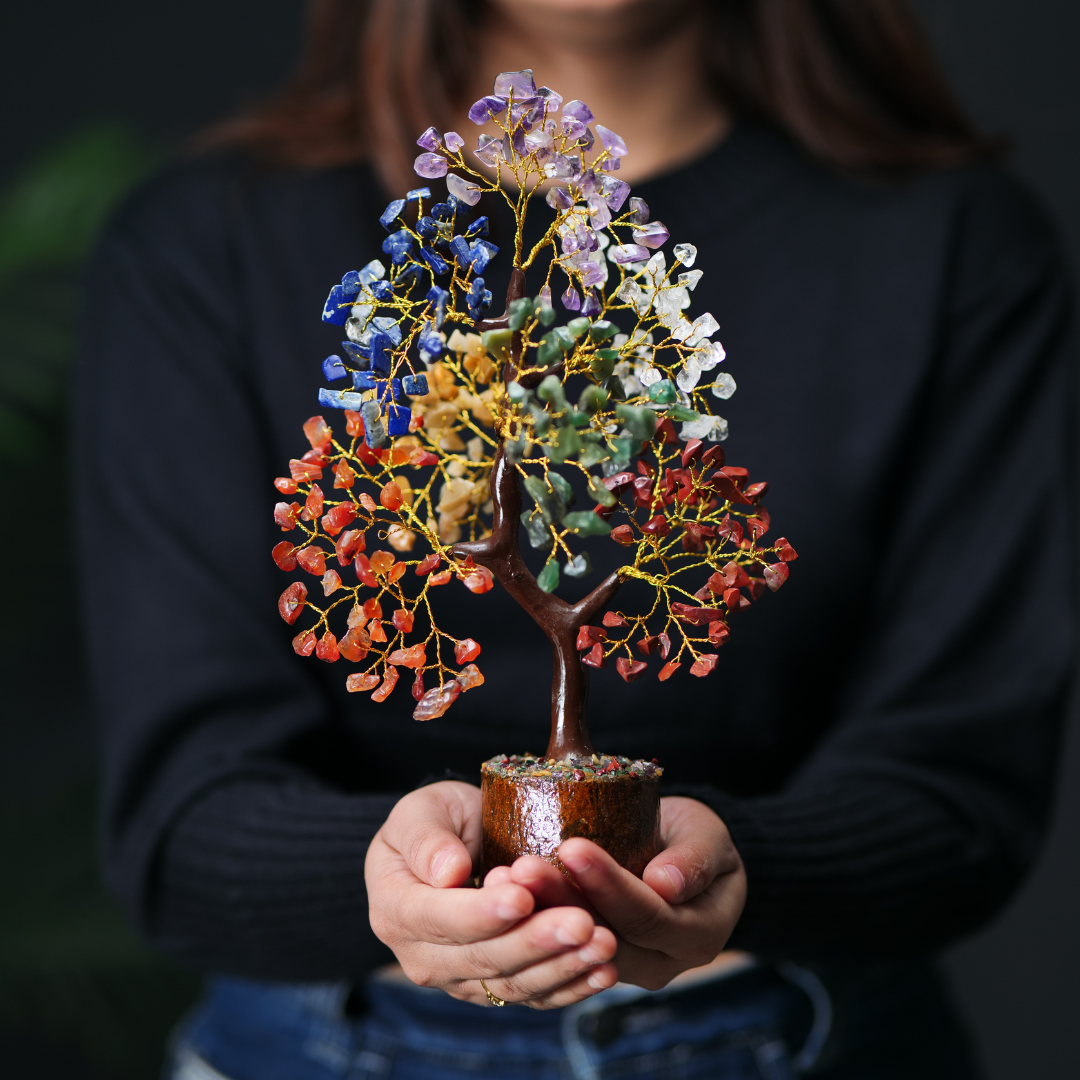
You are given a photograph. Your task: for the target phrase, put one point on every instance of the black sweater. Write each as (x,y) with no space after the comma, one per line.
(880,736)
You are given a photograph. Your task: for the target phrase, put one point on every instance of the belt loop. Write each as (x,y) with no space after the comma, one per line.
(577,1054)
(821,1002)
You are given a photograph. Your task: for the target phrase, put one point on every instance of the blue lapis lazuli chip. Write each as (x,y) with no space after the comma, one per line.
(339,399)
(391,213)
(398,418)
(360,355)
(333,368)
(336,308)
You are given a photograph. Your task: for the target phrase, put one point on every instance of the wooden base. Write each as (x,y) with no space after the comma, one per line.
(526,815)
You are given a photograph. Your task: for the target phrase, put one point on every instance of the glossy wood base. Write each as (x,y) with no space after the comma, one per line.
(533,815)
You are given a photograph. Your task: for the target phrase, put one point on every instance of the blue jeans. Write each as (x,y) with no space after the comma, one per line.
(766,1023)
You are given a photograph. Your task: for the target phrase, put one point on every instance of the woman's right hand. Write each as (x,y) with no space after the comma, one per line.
(448,936)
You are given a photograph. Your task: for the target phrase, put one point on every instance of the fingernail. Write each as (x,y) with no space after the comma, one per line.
(588,955)
(505,911)
(437,864)
(576,864)
(676,878)
(564,937)
(597,981)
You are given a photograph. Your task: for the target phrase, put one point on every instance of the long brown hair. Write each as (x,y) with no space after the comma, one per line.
(854,81)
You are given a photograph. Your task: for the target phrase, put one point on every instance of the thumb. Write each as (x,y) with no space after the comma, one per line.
(433,830)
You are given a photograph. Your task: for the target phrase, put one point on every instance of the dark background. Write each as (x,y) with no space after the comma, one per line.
(78,995)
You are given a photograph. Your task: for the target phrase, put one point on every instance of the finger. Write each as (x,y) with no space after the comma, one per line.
(694,931)
(429,828)
(498,875)
(543,981)
(549,885)
(633,909)
(544,935)
(584,986)
(697,849)
(413,911)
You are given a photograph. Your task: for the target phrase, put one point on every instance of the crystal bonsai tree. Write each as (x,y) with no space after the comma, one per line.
(449,415)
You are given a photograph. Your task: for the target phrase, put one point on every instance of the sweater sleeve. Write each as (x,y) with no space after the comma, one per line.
(914,819)
(230,854)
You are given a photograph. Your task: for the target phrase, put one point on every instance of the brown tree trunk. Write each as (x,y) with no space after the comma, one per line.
(501,554)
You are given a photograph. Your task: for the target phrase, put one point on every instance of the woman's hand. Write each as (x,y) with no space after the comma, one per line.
(679,917)
(451,937)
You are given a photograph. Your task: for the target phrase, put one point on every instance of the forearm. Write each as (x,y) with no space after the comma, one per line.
(266,879)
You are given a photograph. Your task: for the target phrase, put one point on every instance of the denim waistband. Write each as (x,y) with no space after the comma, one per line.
(763,1010)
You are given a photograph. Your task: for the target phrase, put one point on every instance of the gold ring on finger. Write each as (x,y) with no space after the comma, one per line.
(496,1001)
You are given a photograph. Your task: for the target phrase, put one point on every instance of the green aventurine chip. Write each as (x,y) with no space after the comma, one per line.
(548,578)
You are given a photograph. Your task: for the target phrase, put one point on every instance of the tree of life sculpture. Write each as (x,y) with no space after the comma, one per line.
(449,415)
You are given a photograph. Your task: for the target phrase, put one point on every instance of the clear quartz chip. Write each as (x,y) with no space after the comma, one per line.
(685,253)
(710,354)
(688,375)
(649,376)
(690,280)
(724,386)
(704,326)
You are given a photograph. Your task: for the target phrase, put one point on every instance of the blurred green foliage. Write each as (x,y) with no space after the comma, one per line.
(50,216)
(80,995)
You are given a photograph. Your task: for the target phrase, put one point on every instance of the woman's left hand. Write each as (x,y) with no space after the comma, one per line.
(678,917)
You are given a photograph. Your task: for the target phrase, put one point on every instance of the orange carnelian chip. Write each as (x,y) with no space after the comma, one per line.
(313,505)
(470,677)
(367,502)
(331,582)
(338,518)
(375,631)
(344,477)
(403,620)
(397,573)
(388,684)
(349,543)
(466,650)
(285,555)
(413,657)
(355,644)
(390,496)
(372,610)
(285,515)
(327,649)
(422,458)
(356,683)
(286,485)
(441,578)
(304,643)
(381,561)
(354,424)
(313,560)
(363,571)
(292,601)
(302,471)
(418,685)
(318,433)
(427,564)
(478,579)
(437,700)
(399,455)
